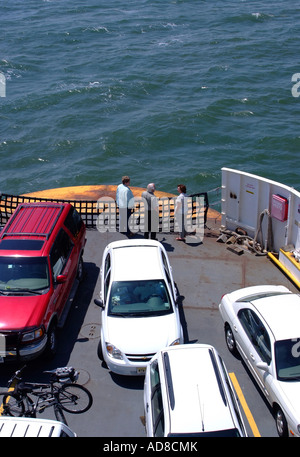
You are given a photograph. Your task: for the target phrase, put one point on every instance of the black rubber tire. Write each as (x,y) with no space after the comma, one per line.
(80,270)
(100,351)
(230,341)
(52,343)
(281,423)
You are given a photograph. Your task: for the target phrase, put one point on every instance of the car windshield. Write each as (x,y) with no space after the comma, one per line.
(287,356)
(23,274)
(139,298)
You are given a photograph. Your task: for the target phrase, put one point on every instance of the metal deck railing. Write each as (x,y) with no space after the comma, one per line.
(103,214)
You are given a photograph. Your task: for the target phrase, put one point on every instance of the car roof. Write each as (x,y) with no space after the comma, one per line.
(200,403)
(281,313)
(30,226)
(32,427)
(136,260)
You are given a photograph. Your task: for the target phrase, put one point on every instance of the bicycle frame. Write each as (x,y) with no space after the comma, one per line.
(46,396)
(46,393)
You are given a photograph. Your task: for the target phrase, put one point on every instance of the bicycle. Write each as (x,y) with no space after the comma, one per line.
(61,392)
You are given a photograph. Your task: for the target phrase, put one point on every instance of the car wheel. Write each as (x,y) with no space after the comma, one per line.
(99,351)
(51,346)
(281,423)
(80,270)
(100,354)
(230,341)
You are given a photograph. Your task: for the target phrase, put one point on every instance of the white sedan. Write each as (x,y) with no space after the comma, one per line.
(262,323)
(139,313)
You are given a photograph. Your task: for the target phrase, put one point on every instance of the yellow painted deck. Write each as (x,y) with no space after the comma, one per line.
(92,193)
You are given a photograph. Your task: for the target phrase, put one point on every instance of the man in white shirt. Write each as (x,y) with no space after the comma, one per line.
(125,202)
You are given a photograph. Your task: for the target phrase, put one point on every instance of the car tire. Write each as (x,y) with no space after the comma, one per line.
(230,340)
(99,351)
(79,275)
(100,354)
(281,423)
(51,346)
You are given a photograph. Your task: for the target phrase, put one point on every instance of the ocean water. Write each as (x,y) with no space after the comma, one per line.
(168,91)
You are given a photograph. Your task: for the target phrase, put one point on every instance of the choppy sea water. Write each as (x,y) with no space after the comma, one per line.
(168,91)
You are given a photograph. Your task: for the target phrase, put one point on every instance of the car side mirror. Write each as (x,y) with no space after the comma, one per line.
(263,366)
(99,302)
(178,300)
(60,279)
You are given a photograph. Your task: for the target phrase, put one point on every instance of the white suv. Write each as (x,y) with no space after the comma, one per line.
(188,392)
(139,313)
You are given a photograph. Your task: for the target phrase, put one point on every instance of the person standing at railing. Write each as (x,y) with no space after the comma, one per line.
(125,202)
(151,212)
(180,212)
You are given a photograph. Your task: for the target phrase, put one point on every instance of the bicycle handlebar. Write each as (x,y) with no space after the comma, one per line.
(16,375)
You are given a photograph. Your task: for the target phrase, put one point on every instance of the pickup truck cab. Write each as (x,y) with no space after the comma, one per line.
(41,249)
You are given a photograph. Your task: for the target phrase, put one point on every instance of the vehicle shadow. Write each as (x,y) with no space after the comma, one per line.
(67,336)
(180,299)
(128,382)
(70,334)
(168,246)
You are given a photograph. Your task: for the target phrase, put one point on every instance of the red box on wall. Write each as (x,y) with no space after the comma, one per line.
(279,207)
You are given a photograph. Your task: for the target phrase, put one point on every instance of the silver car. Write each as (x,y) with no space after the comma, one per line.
(262,324)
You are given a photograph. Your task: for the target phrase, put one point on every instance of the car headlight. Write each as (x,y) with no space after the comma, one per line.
(32,335)
(113,352)
(175,342)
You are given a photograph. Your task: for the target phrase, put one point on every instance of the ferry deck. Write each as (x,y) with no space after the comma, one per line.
(203,272)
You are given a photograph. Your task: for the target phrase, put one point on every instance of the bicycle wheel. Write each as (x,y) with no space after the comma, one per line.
(74,398)
(13,405)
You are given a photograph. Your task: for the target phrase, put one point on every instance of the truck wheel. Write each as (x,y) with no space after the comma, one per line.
(51,346)
(80,270)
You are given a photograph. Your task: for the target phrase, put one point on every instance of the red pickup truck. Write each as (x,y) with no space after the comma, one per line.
(41,249)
